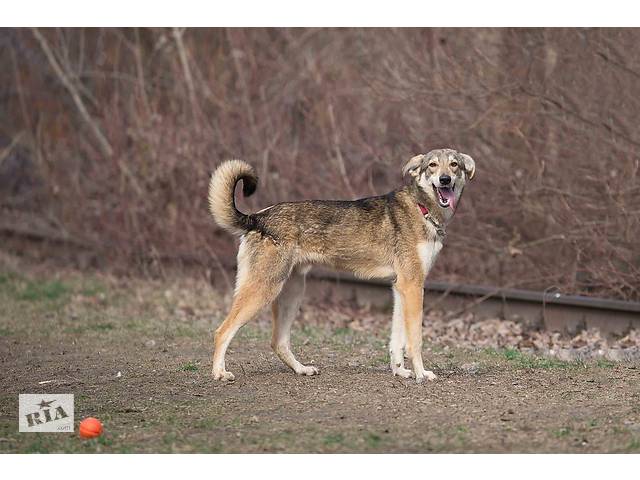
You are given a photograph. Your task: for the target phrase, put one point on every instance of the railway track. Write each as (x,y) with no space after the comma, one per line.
(550,309)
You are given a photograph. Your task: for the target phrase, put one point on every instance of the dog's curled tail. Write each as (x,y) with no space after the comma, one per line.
(222,204)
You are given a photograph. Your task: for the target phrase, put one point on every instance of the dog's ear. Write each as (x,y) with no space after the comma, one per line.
(468,165)
(412,166)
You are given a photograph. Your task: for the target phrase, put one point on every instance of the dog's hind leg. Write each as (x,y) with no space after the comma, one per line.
(260,279)
(398,338)
(246,304)
(285,308)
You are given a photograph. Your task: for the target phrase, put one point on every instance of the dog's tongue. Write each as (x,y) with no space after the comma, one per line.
(448,194)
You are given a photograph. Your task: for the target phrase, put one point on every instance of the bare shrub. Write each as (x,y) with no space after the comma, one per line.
(548,114)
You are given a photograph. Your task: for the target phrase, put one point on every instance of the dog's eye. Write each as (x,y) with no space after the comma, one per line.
(433,164)
(453,164)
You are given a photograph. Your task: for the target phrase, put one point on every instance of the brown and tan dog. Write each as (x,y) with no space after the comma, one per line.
(396,236)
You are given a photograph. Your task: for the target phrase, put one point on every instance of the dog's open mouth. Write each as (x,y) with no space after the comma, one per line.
(446,196)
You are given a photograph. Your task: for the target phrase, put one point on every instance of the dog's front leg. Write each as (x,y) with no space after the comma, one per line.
(398,338)
(412,293)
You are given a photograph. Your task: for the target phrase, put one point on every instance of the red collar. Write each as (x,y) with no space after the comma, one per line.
(439,228)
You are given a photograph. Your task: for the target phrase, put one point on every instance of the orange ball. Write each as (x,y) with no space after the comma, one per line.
(90,428)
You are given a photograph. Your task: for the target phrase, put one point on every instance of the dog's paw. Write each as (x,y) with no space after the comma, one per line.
(427,374)
(307,370)
(224,376)
(402,372)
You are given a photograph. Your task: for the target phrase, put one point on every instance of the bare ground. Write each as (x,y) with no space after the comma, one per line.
(78,331)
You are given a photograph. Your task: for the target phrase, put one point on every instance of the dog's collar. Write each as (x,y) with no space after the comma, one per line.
(427,216)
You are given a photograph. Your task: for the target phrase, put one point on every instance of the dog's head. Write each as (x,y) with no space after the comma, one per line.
(441,175)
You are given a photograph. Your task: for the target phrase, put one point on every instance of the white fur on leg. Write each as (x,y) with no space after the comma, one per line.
(402,372)
(219,370)
(220,373)
(307,370)
(430,375)
(398,339)
(286,355)
(287,306)
(223,375)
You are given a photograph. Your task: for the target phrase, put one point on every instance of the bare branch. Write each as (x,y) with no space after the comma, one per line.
(184,61)
(103,143)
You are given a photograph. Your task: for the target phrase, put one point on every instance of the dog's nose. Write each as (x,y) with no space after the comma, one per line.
(445,179)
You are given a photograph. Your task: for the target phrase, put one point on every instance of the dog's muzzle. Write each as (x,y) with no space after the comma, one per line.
(446,195)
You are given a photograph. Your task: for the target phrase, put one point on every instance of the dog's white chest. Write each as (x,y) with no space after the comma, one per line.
(428,251)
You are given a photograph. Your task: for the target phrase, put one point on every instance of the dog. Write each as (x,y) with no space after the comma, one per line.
(395,236)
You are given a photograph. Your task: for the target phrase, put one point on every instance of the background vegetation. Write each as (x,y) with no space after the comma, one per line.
(108,137)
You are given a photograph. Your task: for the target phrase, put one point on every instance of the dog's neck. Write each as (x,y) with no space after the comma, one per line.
(439,216)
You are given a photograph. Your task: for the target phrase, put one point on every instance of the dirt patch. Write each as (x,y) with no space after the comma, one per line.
(136,354)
